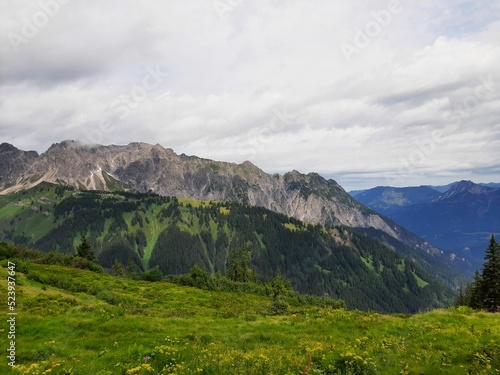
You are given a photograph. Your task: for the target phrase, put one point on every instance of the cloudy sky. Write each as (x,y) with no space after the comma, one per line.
(366,92)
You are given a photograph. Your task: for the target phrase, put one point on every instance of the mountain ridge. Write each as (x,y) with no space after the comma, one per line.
(459,219)
(152,168)
(81,166)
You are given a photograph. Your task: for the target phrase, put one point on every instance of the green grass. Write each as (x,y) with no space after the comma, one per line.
(368,263)
(402,265)
(9,211)
(421,282)
(224,210)
(152,233)
(290,226)
(121,326)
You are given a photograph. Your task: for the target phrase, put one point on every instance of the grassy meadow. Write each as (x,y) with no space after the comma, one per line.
(73,321)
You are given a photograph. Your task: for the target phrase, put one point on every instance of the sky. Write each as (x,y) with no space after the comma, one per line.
(366,92)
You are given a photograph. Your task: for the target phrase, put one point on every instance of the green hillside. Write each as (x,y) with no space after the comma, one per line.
(175,234)
(74,321)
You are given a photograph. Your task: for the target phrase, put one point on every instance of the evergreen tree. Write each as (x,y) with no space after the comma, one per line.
(279,289)
(131,269)
(473,294)
(484,292)
(239,268)
(117,268)
(490,283)
(84,250)
(199,276)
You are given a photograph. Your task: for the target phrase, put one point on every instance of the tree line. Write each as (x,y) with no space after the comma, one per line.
(484,292)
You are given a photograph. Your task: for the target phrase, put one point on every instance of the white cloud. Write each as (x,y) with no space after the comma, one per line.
(431,66)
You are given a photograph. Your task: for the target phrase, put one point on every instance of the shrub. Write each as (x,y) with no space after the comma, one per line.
(86,264)
(154,274)
(279,306)
(38,277)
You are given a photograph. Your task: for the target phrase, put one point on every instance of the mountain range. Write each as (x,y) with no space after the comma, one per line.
(152,168)
(143,168)
(459,218)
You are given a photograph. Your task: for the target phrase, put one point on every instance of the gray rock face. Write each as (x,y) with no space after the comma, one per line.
(145,167)
(13,163)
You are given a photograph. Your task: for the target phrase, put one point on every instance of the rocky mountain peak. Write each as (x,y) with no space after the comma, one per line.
(7,147)
(463,187)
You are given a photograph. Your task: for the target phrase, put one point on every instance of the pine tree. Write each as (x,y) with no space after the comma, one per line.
(84,250)
(471,295)
(239,268)
(117,268)
(473,292)
(490,283)
(131,269)
(279,289)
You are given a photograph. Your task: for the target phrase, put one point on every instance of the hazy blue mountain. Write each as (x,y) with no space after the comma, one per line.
(354,193)
(443,188)
(387,200)
(458,217)
(493,185)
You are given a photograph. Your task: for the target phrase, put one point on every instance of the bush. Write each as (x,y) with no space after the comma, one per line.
(38,277)
(154,274)
(21,266)
(86,264)
(21,254)
(58,281)
(279,307)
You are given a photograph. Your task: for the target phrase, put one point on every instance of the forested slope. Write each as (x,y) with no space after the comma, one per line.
(175,234)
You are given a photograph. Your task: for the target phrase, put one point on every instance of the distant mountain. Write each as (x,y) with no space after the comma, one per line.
(443,188)
(176,234)
(460,219)
(491,185)
(354,193)
(386,200)
(151,168)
